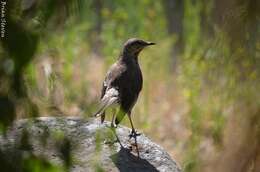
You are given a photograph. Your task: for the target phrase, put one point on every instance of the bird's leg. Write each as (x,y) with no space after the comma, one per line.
(109,142)
(113,128)
(113,118)
(133,133)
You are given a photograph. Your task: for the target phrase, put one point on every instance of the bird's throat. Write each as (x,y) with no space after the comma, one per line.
(129,57)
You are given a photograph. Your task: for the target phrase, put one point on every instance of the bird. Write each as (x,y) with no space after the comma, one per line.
(122,84)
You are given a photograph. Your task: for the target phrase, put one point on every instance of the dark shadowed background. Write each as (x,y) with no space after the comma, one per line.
(200,100)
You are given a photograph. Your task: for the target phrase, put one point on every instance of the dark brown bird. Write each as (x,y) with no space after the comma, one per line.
(123,83)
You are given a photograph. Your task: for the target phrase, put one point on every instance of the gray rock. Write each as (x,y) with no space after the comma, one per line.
(89,143)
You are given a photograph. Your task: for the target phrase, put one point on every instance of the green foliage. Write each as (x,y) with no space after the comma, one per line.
(36,164)
(49,63)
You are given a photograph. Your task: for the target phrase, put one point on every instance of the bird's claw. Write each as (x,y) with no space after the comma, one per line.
(113,125)
(133,134)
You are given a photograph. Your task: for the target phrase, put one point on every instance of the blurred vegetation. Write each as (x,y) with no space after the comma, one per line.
(201,94)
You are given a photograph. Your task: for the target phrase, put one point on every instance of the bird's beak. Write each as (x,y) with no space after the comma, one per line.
(150,43)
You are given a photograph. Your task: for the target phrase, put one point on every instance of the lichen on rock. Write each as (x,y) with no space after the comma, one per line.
(79,144)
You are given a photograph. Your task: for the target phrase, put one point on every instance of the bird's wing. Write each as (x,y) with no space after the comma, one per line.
(114,73)
(110,94)
(110,98)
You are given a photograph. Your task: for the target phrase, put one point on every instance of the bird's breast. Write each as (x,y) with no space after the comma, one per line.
(136,78)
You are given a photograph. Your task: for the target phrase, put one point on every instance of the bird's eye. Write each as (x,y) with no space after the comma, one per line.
(139,43)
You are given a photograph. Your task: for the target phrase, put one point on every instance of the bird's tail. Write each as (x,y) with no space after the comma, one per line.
(101,112)
(109,99)
(104,105)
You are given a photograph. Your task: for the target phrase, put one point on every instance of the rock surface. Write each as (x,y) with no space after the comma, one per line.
(89,145)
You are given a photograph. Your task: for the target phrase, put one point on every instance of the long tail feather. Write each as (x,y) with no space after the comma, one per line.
(104,105)
(109,99)
(103,115)
(100,111)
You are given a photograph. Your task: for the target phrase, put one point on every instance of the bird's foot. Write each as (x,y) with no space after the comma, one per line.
(113,125)
(134,134)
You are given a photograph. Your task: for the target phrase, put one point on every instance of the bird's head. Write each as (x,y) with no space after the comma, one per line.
(134,46)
